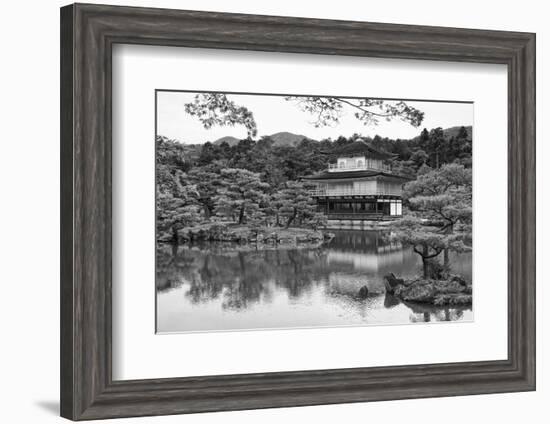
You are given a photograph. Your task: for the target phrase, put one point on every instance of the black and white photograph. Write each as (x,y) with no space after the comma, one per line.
(298,211)
(254,212)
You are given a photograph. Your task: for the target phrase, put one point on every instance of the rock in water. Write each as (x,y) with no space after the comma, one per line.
(436,292)
(454,291)
(419,291)
(363,292)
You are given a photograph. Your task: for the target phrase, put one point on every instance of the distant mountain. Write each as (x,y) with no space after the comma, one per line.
(283,138)
(287,139)
(232,141)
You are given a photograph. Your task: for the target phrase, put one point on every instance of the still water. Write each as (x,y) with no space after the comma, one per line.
(213,287)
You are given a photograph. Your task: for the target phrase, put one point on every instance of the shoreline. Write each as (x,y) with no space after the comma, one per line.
(248,235)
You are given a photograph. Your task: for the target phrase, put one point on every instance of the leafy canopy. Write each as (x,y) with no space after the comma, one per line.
(329,110)
(216,109)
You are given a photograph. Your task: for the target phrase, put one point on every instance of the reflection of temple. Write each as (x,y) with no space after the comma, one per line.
(369,251)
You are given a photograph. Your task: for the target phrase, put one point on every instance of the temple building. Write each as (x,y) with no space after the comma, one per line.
(360,186)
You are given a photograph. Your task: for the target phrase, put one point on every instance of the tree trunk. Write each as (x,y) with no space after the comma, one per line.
(446,257)
(292,218)
(426,268)
(425,262)
(174,250)
(207,212)
(175,237)
(241,214)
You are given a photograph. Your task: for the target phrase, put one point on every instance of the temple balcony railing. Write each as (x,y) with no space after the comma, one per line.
(328,192)
(334,167)
(373,216)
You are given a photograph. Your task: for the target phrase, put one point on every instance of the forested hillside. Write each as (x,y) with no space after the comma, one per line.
(257,182)
(279,161)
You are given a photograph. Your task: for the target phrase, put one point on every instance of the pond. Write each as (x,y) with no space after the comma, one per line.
(221,286)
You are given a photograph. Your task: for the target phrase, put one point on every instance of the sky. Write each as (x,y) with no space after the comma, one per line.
(275,114)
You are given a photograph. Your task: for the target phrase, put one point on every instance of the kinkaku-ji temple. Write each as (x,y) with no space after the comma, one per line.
(359,187)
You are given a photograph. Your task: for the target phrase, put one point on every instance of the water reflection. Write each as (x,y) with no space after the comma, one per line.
(221,287)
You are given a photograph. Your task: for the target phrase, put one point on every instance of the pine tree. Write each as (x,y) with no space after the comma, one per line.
(295,204)
(240,194)
(440,215)
(206,180)
(178,205)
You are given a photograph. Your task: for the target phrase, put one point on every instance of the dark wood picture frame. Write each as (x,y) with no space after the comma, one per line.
(88,33)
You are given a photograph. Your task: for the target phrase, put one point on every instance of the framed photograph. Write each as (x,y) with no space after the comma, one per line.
(263,211)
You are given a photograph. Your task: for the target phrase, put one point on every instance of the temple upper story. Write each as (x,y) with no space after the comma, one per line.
(358,163)
(360,156)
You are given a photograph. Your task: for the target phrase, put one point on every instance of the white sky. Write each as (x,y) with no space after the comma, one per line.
(274,114)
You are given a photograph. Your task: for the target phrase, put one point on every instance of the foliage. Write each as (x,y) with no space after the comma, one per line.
(240,195)
(440,213)
(218,190)
(442,194)
(280,163)
(206,180)
(294,203)
(177,202)
(216,109)
(328,110)
(173,214)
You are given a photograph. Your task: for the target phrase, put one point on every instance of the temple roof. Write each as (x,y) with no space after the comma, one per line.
(326,175)
(361,147)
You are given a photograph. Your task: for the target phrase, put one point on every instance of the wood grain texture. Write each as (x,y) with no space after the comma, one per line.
(88,33)
(66,212)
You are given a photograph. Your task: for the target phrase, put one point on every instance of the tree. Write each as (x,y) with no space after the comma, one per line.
(206,180)
(435,146)
(177,205)
(170,153)
(448,178)
(412,231)
(419,158)
(209,153)
(173,214)
(240,194)
(424,138)
(446,195)
(216,109)
(460,147)
(295,204)
(440,216)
